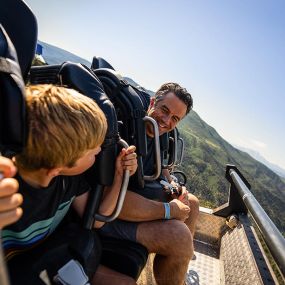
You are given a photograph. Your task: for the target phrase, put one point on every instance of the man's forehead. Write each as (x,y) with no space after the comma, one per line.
(172,101)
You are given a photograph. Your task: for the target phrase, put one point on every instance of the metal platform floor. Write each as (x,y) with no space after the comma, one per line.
(205,268)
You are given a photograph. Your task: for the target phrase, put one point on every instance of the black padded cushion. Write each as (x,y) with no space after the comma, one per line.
(12,99)
(126,257)
(21,26)
(130,105)
(85,81)
(99,62)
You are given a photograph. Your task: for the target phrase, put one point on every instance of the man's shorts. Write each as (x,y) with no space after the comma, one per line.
(120,229)
(128,230)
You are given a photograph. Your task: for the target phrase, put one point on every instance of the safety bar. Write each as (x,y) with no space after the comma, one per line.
(122,194)
(173,157)
(4,279)
(181,156)
(272,236)
(94,201)
(156,148)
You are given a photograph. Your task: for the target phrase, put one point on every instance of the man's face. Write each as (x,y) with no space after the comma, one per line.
(83,163)
(167,112)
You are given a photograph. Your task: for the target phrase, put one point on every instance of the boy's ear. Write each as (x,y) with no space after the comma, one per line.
(54,171)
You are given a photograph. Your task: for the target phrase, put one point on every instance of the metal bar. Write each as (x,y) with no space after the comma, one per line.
(122,194)
(157,150)
(272,236)
(182,151)
(4,279)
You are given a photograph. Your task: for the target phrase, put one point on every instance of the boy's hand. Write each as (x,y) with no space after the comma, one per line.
(127,160)
(9,199)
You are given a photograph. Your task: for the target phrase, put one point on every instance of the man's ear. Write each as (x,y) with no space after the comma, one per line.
(54,172)
(151,103)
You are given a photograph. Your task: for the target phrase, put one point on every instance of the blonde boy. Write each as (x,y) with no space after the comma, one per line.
(66,130)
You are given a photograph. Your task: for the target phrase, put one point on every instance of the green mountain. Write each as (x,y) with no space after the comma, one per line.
(206,155)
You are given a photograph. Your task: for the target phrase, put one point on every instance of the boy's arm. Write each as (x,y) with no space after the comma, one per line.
(9,199)
(126,160)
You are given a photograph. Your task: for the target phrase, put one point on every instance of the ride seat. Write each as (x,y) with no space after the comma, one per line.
(131,105)
(12,99)
(21,25)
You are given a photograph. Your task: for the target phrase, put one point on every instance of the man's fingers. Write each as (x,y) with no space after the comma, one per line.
(8,186)
(10,217)
(10,202)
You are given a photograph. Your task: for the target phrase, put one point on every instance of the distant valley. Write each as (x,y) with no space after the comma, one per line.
(256,155)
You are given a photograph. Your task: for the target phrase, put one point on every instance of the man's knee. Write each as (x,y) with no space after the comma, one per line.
(194,202)
(181,239)
(166,237)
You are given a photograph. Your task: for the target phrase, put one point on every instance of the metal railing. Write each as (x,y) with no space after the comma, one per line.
(272,236)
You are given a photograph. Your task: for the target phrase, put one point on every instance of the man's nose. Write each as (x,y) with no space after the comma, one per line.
(167,119)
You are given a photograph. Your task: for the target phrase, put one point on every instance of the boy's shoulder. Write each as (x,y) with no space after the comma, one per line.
(72,184)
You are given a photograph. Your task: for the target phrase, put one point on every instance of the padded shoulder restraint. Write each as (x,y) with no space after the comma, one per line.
(131,109)
(12,99)
(129,106)
(82,79)
(85,81)
(21,26)
(99,62)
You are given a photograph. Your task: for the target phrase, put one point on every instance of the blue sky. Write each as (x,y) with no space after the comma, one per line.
(230,54)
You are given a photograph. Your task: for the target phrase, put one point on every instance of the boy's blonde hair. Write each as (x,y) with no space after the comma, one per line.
(63,124)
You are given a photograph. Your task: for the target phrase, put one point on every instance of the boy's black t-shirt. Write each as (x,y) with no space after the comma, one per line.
(43,210)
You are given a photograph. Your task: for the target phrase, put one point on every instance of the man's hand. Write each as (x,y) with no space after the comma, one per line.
(9,199)
(183,197)
(127,160)
(179,210)
(183,193)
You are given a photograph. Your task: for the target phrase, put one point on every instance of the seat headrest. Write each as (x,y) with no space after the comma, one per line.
(21,26)
(99,62)
(12,99)
(82,79)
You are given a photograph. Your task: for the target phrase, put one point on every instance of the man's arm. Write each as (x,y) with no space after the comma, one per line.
(167,175)
(137,208)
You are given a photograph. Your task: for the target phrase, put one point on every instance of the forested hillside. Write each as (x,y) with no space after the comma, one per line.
(206,155)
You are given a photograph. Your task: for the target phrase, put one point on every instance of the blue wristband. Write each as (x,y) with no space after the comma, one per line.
(167,211)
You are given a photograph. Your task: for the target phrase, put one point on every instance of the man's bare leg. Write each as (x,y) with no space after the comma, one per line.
(107,276)
(173,244)
(191,221)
